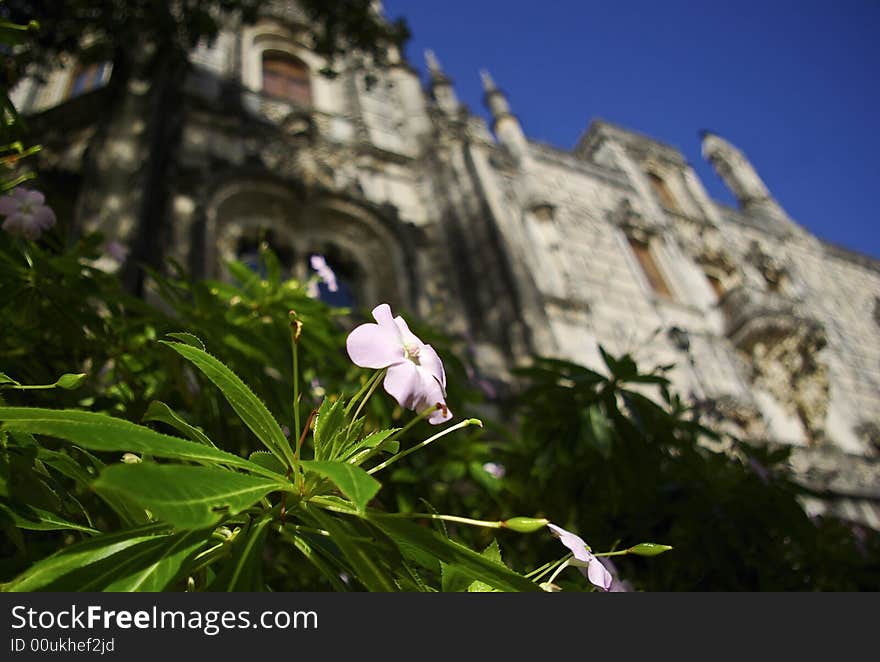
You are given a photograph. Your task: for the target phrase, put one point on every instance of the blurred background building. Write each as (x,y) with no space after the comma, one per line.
(516,247)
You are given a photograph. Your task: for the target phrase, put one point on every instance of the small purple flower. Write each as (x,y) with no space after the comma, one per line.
(494,469)
(596,572)
(116,251)
(26,215)
(325,273)
(415,376)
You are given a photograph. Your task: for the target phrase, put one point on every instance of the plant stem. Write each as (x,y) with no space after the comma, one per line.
(295,330)
(449,518)
(367,384)
(402,454)
(620,553)
(373,387)
(562,566)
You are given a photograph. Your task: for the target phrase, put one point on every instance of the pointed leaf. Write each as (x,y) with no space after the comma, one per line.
(452,553)
(365,562)
(37,519)
(100,432)
(159,411)
(244,571)
(248,406)
(187,497)
(188,339)
(352,481)
(43,573)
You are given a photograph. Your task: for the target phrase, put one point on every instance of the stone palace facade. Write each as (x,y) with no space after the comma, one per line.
(515,246)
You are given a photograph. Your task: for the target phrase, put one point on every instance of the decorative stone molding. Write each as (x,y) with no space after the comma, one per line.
(790,369)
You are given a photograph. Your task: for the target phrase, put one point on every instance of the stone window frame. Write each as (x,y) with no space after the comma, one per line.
(647,264)
(273,36)
(292,71)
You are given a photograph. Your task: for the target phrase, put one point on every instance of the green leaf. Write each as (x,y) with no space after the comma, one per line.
(493,553)
(244,571)
(100,432)
(268,461)
(452,553)
(6,379)
(43,573)
(159,411)
(376,439)
(352,481)
(70,381)
(328,424)
(188,339)
(365,562)
(187,497)
(37,519)
(249,408)
(154,565)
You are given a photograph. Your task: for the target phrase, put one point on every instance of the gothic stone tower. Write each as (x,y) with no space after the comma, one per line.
(514,246)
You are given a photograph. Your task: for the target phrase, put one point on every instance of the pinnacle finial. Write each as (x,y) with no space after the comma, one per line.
(488,83)
(433,63)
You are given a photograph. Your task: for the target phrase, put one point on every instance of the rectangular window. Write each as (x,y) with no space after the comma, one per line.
(649,266)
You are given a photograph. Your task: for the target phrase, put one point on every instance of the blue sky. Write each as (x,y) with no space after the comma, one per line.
(795,85)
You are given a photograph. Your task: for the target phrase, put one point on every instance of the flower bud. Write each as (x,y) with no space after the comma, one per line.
(70,381)
(524,524)
(648,549)
(550,588)
(131,458)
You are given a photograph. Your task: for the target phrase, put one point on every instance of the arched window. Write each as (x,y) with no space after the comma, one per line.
(286,77)
(88,77)
(662,190)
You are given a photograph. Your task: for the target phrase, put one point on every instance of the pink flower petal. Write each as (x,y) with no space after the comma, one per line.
(382,314)
(13,225)
(34,197)
(404,383)
(44,217)
(441,415)
(9,205)
(21,194)
(598,574)
(374,346)
(431,362)
(574,542)
(407,336)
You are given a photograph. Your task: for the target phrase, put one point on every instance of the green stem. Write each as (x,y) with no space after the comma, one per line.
(402,454)
(363,457)
(370,392)
(620,553)
(363,389)
(537,573)
(449,518)
(562,566)
(294,343)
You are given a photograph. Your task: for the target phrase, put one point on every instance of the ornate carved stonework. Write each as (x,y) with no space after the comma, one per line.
(789,368)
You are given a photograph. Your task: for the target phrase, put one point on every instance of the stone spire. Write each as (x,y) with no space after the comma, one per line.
(504,123)
(441,85)
(740,176)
